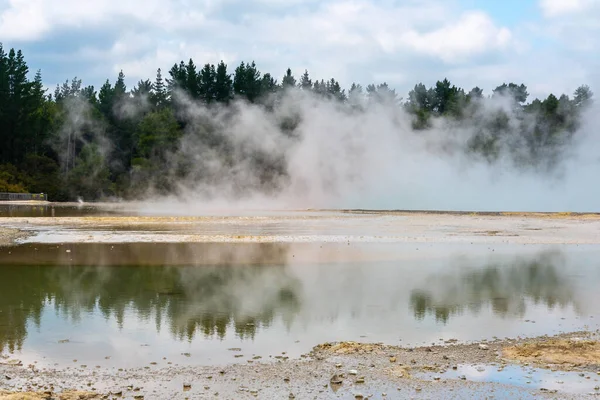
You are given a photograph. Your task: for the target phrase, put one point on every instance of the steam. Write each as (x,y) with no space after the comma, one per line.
(369,157)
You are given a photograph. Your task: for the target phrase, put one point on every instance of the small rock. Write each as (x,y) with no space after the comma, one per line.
(186,387)
(360,379)
(338,365)
(291,396)
(446,357)
(392,359)
(462,377)
(484,347)
(353,372)
(359,396)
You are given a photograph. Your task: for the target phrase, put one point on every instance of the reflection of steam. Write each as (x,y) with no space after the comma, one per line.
(507,288)
(193,299)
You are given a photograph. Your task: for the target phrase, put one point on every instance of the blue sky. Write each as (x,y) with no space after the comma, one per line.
(509,13)
(550,45)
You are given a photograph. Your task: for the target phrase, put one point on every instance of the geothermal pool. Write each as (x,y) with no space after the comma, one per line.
(129,305)
(87,288)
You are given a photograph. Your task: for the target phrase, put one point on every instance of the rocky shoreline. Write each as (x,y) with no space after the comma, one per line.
(330,370)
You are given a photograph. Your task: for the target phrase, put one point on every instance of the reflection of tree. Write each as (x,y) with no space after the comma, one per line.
(507,288)
(193,299)
(43,210)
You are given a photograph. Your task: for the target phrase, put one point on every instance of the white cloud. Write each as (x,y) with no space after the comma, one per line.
(473,33)
(25,20)
(556,8)
(402,42)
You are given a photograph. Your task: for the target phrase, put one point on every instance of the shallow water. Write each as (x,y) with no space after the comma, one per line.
(526,377)
(128,305)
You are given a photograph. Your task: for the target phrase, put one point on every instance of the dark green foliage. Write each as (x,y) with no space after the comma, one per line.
(207,80)
(158,95)
(517,92)
(83,141)
(247,82)
(305,81)
(223,84)
(288,79)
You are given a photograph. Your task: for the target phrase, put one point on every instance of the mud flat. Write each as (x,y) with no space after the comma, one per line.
(8,236)
(314,226)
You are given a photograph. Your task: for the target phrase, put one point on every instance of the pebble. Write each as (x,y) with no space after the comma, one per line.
(484,347)
(353,372)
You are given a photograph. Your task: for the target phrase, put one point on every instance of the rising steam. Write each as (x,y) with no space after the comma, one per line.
(368,157)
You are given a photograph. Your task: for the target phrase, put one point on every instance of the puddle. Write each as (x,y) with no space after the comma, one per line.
(523,376)
(102,304)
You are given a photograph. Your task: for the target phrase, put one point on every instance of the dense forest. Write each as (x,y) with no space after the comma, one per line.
(117,142)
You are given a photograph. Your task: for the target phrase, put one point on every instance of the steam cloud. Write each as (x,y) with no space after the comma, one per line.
(368,158)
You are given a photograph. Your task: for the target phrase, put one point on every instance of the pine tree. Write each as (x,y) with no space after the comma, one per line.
(223,84)
(159,91)
(191,80)
(207,83)
(288,80)
(305,81)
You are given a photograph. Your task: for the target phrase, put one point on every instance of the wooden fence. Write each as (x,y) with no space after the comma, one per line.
(23,196)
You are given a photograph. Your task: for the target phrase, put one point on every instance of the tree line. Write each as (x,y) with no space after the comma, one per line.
(97,143)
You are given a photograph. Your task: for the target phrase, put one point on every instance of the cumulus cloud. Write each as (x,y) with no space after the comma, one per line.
(554,8)
(472,34)
(350,40)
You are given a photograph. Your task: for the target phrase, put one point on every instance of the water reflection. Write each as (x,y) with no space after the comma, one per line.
(507,287)
(58,210)
(112,298)
(245,290)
